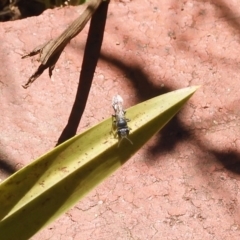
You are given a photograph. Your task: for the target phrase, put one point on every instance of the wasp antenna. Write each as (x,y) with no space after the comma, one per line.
(119,142)
(129,140)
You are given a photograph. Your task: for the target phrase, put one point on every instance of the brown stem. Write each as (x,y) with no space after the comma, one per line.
(51,51)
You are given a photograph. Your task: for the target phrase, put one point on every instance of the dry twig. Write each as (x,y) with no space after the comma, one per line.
(51,51)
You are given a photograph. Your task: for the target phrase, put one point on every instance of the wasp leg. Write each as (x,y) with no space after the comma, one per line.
(114,127)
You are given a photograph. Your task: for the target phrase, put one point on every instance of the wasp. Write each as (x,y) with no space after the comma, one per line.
(119,119)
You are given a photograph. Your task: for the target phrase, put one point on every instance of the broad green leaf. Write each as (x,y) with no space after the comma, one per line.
(40,192)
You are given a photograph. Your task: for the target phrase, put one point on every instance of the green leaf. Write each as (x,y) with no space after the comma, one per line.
(40,192)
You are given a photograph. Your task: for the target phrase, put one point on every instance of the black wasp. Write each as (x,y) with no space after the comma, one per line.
(119,119)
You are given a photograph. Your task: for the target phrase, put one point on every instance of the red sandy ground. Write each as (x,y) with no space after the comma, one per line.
(184,184)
